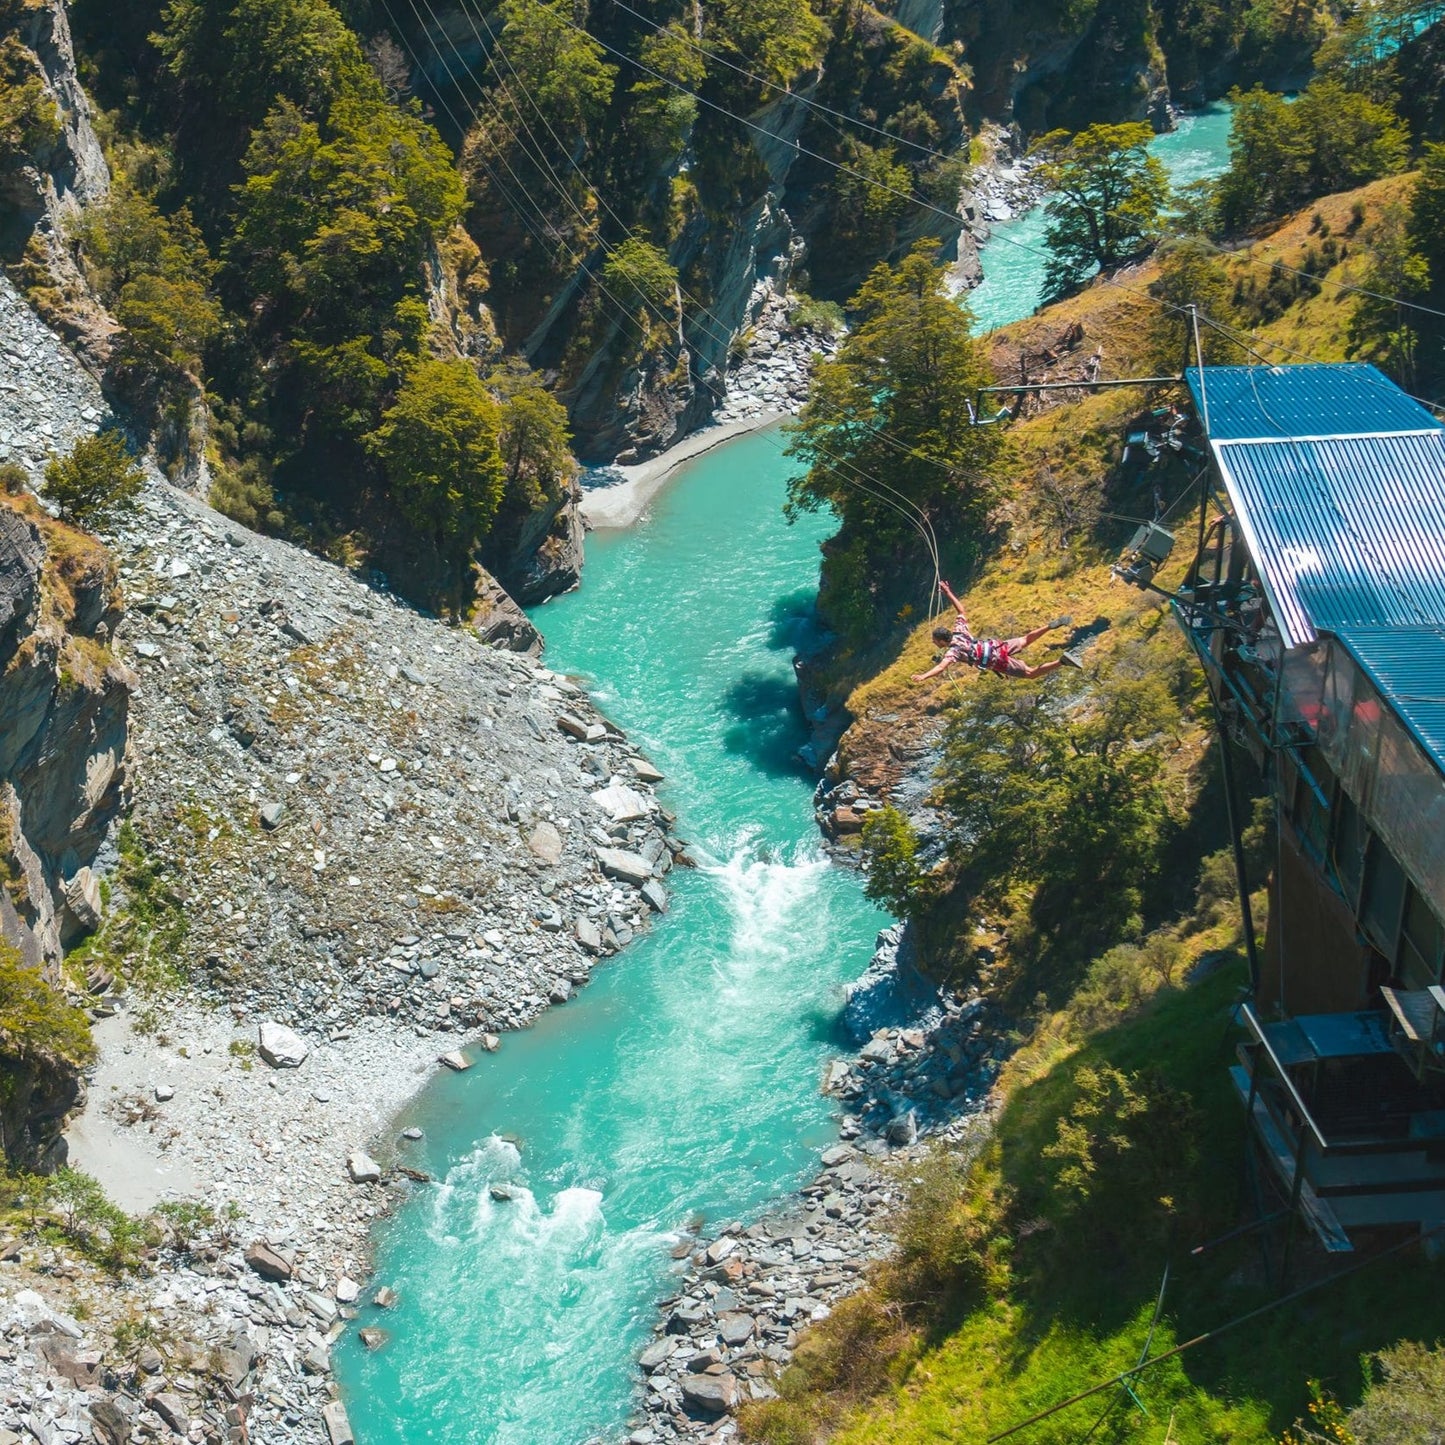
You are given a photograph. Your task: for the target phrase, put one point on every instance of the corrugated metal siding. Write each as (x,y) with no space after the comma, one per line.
(1346,532)
(1348,399)
(1407,664)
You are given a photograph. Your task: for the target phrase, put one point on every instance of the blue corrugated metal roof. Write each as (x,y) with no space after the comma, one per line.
(1347,399)
(1337,479)
(1407,664)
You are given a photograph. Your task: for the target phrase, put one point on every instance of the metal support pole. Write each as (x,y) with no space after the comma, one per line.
(1236,840)
(1294,1194)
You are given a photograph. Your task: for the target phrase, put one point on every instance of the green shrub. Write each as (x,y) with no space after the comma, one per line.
(1404,1403)
(92,1223)
(639,275)
(439,447)
(1126,1135)
(14,479)
(823,317)
(36,1022)
(890,852)
(29,120)
(96,481)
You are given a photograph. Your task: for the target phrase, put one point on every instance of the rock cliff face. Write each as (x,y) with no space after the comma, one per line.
(40,198)
(64,701)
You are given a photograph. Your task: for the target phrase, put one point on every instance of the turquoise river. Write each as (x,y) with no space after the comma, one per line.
(683,1083)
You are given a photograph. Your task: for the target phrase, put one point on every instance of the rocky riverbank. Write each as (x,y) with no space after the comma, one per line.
(359,842)
(766,382)
(742,1296)
(1001,188)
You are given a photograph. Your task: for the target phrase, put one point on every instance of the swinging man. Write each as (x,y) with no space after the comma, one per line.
(991,654)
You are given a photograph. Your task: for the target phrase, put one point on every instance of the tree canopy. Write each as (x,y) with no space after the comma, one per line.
(776,39)
(893,405)
(96,481)
(555,63)
(1283,154)
(438,444)
(1106,203)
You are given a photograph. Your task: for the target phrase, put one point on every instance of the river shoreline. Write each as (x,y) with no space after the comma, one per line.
(388,845)
(737,1303)
(618,505)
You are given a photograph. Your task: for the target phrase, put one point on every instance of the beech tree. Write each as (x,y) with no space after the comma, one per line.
(96,481)
(777,39)
(893,407)
(555,63)
(1283,154)
(1107,199)
(438,445)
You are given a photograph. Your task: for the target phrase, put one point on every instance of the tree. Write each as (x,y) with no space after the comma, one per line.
(29,119)
(776,39)
(661,114)
(535,443)
(1191,272)
(333,223)
(1107,200)
(438,445)
(555,63)
(36,1022)
(641,277)
(890,850)
(1072,807)
(238,58)
(96,481)
(870,198)
(1283,154)
(893,406)
(1404,1402)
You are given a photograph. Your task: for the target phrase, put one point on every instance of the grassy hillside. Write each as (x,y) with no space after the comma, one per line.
(1030,1273)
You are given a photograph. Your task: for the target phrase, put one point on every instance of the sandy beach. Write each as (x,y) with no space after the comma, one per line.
(621,505)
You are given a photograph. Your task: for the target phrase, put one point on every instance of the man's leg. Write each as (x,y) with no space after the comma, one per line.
(1017,644)
(1018,668)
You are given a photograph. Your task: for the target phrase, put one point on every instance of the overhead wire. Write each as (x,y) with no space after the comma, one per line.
(815,105)
(896,500)
(1330,281)
(901,503)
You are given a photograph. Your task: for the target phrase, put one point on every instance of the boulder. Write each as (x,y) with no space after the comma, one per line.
(165,1093)
(338,1427)
(346,1291)
(657,1353)
(720,1248)
(82,897)
(112,1424)
(717,1394)
(384,1298)
(362,1168)
(621,804)
(736,1327)
(574,727)
(271,815)
(281,1047)
(646,771)
(372,1337)
(172,1409)
(456,1061)
(655,895)
(626,867)
(545,843)
(267,1263)
(234,1358)
(589,936)
(33,1316)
